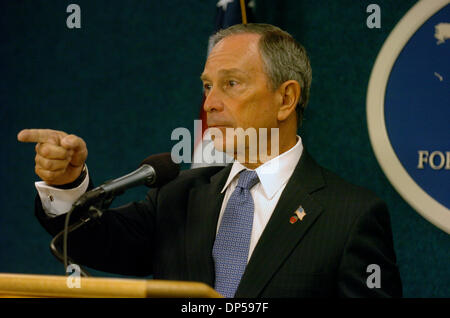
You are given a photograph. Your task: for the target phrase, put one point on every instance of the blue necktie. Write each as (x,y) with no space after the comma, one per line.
(230,250)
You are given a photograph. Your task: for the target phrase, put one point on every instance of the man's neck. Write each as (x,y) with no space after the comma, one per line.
(255,163)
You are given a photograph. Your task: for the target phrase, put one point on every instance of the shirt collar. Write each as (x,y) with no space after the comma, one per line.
(272,174)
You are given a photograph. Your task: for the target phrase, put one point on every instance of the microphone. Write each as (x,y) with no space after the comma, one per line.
(155,171)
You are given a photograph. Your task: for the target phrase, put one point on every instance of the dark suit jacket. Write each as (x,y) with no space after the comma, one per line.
(171,233)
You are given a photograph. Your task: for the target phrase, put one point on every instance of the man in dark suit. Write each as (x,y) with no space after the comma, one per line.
(307,232)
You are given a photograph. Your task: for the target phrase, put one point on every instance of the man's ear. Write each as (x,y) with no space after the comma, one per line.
(290,94)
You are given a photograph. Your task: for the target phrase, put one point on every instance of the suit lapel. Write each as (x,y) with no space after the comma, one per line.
(280,237)
(204,205)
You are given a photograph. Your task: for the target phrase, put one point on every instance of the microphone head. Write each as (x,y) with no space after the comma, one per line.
(165,169)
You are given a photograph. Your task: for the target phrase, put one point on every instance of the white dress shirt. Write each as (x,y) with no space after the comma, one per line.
(57,201)
(273,176)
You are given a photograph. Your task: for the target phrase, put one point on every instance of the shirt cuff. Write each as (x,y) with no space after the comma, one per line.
(57,201)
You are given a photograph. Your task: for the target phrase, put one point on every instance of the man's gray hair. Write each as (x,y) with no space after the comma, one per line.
(283,57)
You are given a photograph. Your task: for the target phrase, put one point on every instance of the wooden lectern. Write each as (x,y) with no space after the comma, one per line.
(26,285)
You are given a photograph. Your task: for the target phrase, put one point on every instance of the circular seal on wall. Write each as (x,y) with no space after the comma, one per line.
(408,109)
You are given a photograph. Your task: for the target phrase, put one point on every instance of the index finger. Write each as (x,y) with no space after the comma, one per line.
(39,135)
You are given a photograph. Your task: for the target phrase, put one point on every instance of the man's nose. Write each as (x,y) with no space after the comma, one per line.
(213,101)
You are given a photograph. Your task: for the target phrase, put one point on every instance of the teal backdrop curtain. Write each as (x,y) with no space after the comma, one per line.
(130,76)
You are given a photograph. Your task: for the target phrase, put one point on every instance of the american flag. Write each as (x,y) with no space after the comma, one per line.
(228,13)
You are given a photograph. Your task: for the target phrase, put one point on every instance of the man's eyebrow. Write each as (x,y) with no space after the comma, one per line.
(229,71)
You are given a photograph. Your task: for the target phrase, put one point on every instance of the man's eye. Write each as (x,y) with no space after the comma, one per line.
(206,87)
(232,83)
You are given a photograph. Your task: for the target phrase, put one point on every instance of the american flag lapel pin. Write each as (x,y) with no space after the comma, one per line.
(298,215)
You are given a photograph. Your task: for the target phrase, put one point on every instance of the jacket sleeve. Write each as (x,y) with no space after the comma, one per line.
(120,241)
(368,267)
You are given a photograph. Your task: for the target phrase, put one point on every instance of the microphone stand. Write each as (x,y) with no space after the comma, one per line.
(94,213)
